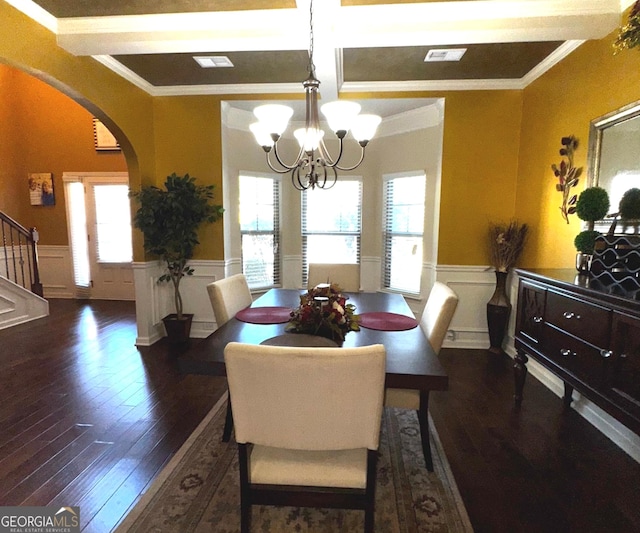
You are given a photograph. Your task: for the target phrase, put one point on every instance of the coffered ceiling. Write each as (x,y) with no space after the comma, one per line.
(359,45)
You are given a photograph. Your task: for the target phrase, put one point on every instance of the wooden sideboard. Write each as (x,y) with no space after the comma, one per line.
(586,333)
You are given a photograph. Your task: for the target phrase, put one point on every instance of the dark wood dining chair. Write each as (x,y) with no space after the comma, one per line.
(307,424)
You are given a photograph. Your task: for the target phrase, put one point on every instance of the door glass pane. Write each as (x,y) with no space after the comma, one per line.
(113,223)
(78,231)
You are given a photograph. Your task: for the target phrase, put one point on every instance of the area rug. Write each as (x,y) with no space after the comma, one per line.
(199,489)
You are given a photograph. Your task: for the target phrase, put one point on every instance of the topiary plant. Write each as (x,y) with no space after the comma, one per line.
(585,241)
(593,204)
(630,205)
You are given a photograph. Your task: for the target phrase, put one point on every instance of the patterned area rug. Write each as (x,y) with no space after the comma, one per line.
(199,489)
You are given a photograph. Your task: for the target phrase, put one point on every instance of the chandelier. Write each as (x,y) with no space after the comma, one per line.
(313,167)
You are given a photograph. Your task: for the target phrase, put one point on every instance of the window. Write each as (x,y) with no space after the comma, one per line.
(113,220)
(404,198)
(331,224)
(260,230)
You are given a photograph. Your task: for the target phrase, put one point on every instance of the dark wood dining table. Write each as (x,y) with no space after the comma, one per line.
(411,363)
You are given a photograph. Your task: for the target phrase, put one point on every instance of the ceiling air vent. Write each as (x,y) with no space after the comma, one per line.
(445,54)
(213,61)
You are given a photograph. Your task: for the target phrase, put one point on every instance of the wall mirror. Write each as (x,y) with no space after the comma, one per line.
(614,155)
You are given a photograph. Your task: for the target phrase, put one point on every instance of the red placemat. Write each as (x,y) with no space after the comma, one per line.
(264,315)
(387,321)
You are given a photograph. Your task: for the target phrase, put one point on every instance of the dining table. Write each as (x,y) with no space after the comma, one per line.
(411,362)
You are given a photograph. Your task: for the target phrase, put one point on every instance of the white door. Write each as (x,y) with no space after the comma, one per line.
(102,264)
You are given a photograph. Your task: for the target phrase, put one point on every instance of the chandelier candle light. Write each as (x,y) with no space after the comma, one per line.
(313,167)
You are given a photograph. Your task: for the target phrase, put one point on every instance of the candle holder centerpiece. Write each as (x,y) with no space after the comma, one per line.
(324,311)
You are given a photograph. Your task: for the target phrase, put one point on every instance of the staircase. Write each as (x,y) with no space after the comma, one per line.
(20,287)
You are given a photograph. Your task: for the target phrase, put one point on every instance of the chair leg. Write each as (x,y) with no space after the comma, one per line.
(228,423)
(369,511)
(423,419)
(245,500)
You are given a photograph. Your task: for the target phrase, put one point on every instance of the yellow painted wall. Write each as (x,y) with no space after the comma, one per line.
(588,84)
(188,140)
(125,109)
(480,160)
(498,145)
(8,185)
(46,132)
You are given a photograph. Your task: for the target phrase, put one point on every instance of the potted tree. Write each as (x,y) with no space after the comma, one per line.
(592,205)
(170,218)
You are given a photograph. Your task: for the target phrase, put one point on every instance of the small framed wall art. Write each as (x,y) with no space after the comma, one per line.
(103,138)
(41,189)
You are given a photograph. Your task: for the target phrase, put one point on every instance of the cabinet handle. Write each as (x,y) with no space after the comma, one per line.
(537,319)
(623,356)
(569,315)
(606,353)
(564,352)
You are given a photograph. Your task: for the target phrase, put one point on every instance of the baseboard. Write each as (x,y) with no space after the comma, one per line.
(620,435)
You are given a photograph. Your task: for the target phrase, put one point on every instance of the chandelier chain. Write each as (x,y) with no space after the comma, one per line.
(311,68)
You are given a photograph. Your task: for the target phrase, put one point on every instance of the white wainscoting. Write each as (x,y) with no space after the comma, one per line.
(56,271)
(155,300)
(474,286)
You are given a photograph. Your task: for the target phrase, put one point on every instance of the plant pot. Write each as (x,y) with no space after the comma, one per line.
(178,330)
(498,312)
(583,262)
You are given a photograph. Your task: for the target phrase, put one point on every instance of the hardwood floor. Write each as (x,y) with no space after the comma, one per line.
(88,419)
(538,469)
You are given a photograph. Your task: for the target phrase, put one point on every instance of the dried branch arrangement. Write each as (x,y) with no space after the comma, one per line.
(506,242)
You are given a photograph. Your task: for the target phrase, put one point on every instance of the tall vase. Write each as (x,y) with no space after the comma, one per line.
(498,311)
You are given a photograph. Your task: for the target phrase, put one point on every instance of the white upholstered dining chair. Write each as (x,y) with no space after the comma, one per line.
(228,296)
(307,423)
(346,275)
(436,317)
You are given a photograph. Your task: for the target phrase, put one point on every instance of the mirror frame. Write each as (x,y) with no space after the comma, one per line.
(598,127)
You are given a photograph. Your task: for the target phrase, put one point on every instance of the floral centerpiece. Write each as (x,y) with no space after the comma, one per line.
(324,311)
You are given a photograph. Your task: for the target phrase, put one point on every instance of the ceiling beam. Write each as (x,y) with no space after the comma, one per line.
(409,24)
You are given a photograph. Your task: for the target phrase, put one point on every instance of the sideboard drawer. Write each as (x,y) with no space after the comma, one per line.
(580,359)
(582,319)
(586,333)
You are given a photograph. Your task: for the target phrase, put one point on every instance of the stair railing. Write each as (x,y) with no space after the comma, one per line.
(19,254)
